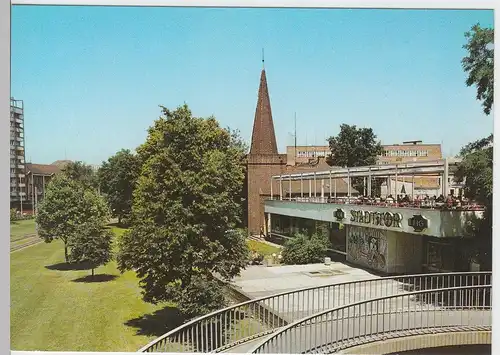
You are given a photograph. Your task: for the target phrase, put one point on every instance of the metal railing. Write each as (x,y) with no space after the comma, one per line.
(420,312)
(423,204)
(237,324)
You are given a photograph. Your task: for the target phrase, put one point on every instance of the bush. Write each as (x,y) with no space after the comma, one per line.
(13,215)
(305,250)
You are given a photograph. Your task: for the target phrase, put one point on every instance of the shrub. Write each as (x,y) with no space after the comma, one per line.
(305,250)
(13,215)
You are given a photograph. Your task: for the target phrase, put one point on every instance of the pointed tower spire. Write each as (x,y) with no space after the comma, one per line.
(263,136)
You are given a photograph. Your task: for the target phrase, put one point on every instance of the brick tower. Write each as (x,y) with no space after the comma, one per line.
(263,160)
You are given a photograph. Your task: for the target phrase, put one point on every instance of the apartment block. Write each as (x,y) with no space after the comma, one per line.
(17,153)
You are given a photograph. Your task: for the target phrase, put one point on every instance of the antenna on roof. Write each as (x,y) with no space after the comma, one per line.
(295,133)
(262,58)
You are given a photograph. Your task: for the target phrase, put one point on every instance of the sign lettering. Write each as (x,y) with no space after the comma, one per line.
(339,214)
(384,219)
(418,222)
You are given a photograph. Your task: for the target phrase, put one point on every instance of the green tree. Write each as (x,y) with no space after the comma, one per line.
(476,167)
(92,244)
(185,208)
(479,63)
(79,171)
(67,206)
(353,147)
(476,172)
(239,143)
(117,179)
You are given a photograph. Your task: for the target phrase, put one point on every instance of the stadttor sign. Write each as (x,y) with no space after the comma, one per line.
(418,222)
(384,219)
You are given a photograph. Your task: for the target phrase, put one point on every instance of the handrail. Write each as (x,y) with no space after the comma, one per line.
(254,318)
(353,201)
(324,320)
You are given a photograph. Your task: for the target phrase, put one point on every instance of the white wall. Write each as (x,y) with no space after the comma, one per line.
(441,223)
(384,251)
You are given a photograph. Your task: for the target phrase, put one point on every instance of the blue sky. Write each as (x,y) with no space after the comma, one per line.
(92,77)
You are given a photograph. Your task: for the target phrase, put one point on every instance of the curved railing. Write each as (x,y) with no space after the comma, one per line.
(419,312)
(244,322)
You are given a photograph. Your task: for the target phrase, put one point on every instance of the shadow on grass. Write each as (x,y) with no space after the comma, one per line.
(116,224)
(96,278)
(70,266)
(158,322)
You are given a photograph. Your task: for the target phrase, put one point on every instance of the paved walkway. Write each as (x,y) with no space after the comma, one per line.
(261,281)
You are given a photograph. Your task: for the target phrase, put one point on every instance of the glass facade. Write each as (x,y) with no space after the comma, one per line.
(289,226)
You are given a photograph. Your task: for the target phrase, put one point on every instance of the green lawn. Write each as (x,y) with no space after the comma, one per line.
(56,308)
(262,248)
(53,310)
(21,228)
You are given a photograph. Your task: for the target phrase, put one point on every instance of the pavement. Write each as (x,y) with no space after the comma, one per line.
(260,281)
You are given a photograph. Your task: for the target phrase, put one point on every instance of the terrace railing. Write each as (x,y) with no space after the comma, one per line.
(355,201)
(447,309)
(247,321)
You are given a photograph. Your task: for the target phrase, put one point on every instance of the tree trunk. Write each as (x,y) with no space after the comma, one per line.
(92,273)
(120,220)
(66,253)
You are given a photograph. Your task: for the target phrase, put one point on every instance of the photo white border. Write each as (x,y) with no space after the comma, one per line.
(385,4)
(5,13)
(5,177)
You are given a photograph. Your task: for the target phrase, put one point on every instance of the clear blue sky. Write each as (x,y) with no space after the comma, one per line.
(92,77)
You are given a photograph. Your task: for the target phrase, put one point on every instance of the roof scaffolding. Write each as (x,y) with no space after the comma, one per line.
(422,168)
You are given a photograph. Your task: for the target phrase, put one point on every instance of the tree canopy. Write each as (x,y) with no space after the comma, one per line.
(185,208)
(476,171)
(478,64)
(92,244)
(476,167)
(79,171)
(67,206)
(117,178)
(352,147)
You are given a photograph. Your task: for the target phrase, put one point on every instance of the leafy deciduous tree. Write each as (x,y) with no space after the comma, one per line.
(185,208)
(476,171)
(92,243)
(81,172)
(476,168)
(67,206)
(352,147)
(117,178)
(479,63)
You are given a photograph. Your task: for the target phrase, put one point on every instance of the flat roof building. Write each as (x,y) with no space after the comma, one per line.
(385,235)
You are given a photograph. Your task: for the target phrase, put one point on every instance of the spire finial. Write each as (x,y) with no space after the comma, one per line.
(262,58)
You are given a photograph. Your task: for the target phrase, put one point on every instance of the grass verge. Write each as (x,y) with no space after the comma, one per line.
(55,307)
(21,228)
(58,307)
(262,248)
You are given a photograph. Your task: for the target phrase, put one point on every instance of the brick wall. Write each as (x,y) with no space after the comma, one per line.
(260,170)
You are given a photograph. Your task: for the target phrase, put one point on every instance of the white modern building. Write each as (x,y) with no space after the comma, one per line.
(380,235)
